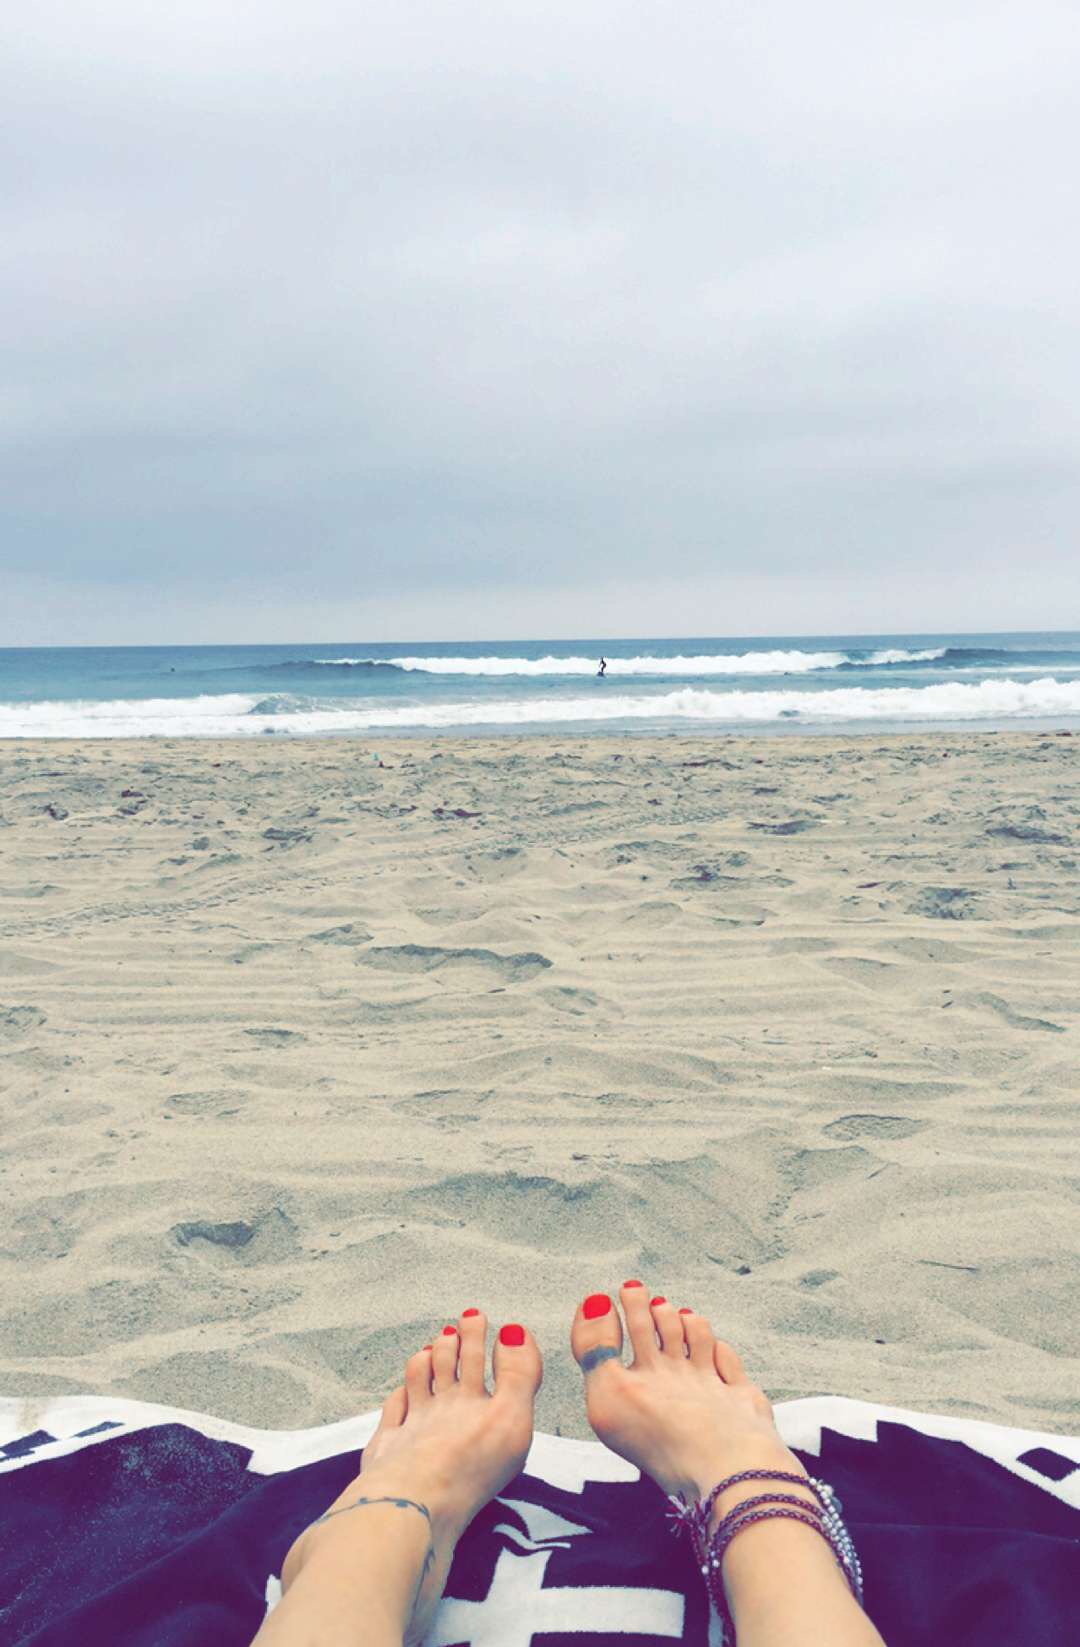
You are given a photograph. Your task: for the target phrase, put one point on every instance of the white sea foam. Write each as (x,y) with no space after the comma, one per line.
(746,663)
(892,654)
(709,663)
(234,715)
(987,700)
(218,714)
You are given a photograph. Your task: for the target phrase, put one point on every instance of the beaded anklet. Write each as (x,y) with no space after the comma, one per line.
(824,1517)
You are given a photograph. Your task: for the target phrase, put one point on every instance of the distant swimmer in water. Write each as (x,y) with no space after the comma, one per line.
(603,667)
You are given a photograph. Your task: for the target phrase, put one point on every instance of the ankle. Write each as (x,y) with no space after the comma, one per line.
(433,1488)
(766,1453)
(369,1514)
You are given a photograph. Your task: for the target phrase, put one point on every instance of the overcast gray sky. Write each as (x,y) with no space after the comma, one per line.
(525,319)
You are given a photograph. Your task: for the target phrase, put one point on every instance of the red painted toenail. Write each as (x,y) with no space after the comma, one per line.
(512,1334)
(466,1313)
(449,1332)
(631,1284)
(657,1300)
(427,1346)
(686,1310)
(596,1305)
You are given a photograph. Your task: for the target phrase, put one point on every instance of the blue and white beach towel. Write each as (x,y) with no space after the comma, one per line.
(133,1525)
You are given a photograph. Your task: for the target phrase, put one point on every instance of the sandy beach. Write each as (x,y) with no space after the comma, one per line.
(301,1053)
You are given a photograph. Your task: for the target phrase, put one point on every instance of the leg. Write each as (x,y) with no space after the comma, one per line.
(374,1565)
(685,1412)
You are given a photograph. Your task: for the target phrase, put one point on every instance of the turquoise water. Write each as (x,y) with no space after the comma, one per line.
(777,684)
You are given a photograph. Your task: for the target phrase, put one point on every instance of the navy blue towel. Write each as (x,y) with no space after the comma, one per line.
(134,1526)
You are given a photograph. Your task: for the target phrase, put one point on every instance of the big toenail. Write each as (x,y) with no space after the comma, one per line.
(449,1332)
(466,1313)
(657,1300)
(631,1284)
(512,1335)
(596,1305)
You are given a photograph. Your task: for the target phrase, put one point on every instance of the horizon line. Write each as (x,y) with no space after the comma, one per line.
(517,640)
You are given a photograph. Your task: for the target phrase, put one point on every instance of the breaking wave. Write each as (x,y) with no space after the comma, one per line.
(237,715)
(792,662)
(894,654)
(336,663)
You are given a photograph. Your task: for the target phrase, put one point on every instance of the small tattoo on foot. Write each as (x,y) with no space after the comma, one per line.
(596,1358)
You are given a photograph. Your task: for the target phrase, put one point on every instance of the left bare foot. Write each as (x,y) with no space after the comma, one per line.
(444,1444)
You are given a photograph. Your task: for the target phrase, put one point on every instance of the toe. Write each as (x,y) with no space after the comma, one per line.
(444,1360)
(596,1336)
(394,1409)
(472,1331)
(728,1364)
(669,1326)
(516,1363)
(418,1377)
(699,1339)
(639,1322)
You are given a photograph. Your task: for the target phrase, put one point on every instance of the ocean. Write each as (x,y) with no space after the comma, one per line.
(835,683)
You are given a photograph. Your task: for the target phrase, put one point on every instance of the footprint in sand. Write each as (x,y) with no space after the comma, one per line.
(874,1126)
(498,865)
(566,999)
(532,1211)
(944,903)
(1016,1020)
(412,1011)
(16,1021)
(812,1168)
(269,1237)
(862,970)
(932,949)
(12,965)
(348,934)
(1028,832)
(233,1235)
(653,915)
(799,946)
(422,958)
(227,1385)
(203,1103)
(1048,934)
(741,915)
(286,838)
(790,826)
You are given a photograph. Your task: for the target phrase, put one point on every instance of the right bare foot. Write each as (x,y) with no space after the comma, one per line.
(684,1410)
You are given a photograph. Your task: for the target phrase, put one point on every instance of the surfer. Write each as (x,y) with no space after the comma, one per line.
(601,672)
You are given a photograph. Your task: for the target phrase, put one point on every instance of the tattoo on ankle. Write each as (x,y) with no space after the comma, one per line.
(595,1358)
(399,1504)
(359,1504)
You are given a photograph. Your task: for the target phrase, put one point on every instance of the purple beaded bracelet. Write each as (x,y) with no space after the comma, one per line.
(823,1517)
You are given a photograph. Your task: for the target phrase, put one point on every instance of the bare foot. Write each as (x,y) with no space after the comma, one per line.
(684,1410)
(443,1443)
